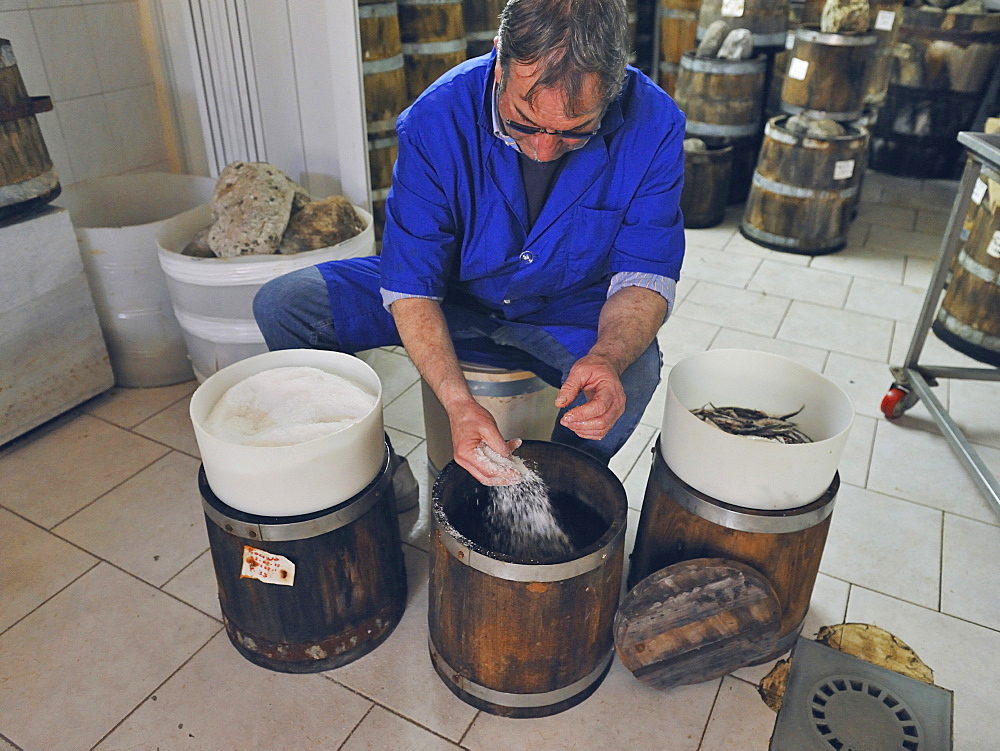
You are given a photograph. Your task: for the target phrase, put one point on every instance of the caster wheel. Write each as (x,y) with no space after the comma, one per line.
(897,400)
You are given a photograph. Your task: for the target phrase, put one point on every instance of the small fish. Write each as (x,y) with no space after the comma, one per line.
(753,423)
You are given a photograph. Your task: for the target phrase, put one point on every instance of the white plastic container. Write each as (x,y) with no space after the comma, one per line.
(213,297)
(741,471)
(116,221)
(297,479)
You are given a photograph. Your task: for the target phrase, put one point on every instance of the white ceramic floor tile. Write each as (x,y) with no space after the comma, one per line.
(88,656)
(920,466)
(406,412)
(394,369)
(743,246)
(635,482)
(866,383)
(711,237)
(48,479)
(740,720)
(172,426)
(897,191)
(813,285)
(960,654)
(864,263)
(899,217)
(712,265)
(885,300)
(128,407)
(735,308)
(152,525)
(885,544)
(220,701)
(932,222)
(622,714)
(838,330)
(974,406)
(970,564)
(115,33)
(934,351)
(383,731)
(197,586)
(857,456)
(403,443)
(633,450)
(70,62)
(415,524)
(903,242)
(918,272)
(35,565)
(681,336)
(809,356)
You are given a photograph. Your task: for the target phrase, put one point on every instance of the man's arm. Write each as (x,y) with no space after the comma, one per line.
(424,333)
(629,321)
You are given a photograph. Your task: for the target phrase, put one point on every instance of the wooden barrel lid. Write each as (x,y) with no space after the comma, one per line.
(696,620)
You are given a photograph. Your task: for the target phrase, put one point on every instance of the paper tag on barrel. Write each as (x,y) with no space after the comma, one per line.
(267,567)
(732,8)
(844,169)
(993,249)
(885,20)
(798,68)
(979,191)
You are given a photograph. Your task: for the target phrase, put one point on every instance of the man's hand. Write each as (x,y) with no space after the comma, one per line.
(605,398)
(472,426)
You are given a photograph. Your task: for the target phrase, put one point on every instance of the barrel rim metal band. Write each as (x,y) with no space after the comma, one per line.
(834,39)
(508,699)
(506,388)
(977,269)
(381,126)
(742,519)
(382,143)
(967,333)
(31,188)
(526,572)
(771,39)
(751,67)
(380,194)
(383,65)
(772,131)
(668,67)
(695,128)
(377,10)
(309,525)
(434,48)
(687,15)
(484,35)
(794,109)
(794,191)
(787,242)
(986,170)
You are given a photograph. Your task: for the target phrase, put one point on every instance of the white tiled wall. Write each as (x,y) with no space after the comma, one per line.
(90,59)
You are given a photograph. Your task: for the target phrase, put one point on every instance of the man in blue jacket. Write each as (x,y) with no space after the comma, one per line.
(532,223)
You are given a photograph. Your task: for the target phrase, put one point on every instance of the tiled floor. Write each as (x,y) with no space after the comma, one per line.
(110,632)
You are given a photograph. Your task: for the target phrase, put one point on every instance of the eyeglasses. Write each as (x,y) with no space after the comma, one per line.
(531,130)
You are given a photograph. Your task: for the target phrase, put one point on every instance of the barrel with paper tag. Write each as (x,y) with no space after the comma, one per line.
(766,20)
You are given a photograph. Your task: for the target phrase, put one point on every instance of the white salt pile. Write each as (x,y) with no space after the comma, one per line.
(285,406)
(520,521)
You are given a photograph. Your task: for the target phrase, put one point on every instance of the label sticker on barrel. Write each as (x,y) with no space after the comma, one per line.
(979,191)
(267,567)
(885,20)
(732,8)
(993,249)
(843,169)
(798,68)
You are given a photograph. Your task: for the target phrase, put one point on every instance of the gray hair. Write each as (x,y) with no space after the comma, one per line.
(570,39)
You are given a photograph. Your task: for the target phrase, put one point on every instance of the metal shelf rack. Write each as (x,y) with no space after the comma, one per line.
(914,380)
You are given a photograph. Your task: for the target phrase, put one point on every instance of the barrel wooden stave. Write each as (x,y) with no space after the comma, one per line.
(767,20)
(887,17)
(433,41)
(706,186)
(678,24)
(482,19)
(721,98)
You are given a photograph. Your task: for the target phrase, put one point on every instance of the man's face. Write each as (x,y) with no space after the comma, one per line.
(547,112)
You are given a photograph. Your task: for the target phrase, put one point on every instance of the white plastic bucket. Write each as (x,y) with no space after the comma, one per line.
(213,297)
(735,469)
(116,220)
(304,477)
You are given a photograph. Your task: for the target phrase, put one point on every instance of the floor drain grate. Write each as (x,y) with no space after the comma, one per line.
(836,702)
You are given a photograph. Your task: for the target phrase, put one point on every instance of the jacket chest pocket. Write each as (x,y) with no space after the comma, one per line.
(589,240)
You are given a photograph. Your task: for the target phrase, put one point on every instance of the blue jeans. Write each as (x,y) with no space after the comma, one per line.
(294,311)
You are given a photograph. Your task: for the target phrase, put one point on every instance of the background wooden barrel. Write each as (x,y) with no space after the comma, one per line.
(825,76)
(706,186)
(349,588)
(968,319)
(520,639)
(940,74)
(678,23)
(804,11)
(721,98)
(678,523)
(27,177)
(383,148)
(767,20)
(482,19)
(433,36)
(887,17)
(803,190)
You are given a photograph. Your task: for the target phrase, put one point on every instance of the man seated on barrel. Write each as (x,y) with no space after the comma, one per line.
(532,223)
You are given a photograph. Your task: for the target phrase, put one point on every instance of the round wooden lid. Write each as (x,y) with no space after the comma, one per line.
(695,621)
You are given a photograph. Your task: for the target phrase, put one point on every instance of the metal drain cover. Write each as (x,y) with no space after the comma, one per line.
(837,702)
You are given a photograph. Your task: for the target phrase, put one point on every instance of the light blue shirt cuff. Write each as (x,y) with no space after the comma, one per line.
(664,286)
(389,297)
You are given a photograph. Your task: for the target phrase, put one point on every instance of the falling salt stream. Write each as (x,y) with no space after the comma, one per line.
(519,520)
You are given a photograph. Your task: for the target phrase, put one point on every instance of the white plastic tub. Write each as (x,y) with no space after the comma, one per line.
(116,220)
(297,479)
(213,297)
(741,471)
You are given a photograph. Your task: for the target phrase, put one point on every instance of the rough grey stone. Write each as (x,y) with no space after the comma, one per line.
(321,224)
(198,247)
(737,46)
(694,144)
(933,5)
(814,128)
(842,16)
(715,35)
(974,7)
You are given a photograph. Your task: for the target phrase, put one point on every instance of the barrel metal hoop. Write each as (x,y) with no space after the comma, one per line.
(987,171)
(377,10)
(769,238)
(486,35)
(508,699)
(7,58)
(967,333)
(380,195)
(529,572)
(978,270)
(686,15)
(835,40)
(382,126)
(386,64)
(668,67)
(739,518)
(794,109)
(695,128)
(434,48)
(796,192)
(383,143)
(25,190)
(349,511)
(506,388)
(752,67)
(774,39)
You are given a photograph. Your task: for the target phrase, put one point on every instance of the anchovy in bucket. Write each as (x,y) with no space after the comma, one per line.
(753,423)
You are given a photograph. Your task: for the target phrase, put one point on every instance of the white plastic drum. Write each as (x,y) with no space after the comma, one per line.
(298,479)
(745,472)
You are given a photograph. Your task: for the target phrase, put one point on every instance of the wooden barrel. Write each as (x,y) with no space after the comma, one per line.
(942,68)
(866,122)
(721,98)
(383,147)
(522,639)
(767,20)
(482,20)
(887,17)
(825,76)
(344,566)
(433,36)
(804,11)
(381,64)
(968,319)
(678,23)
(27,177)
(803,189)
(706,186)
(522,404)
(679,523)
(633,23)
